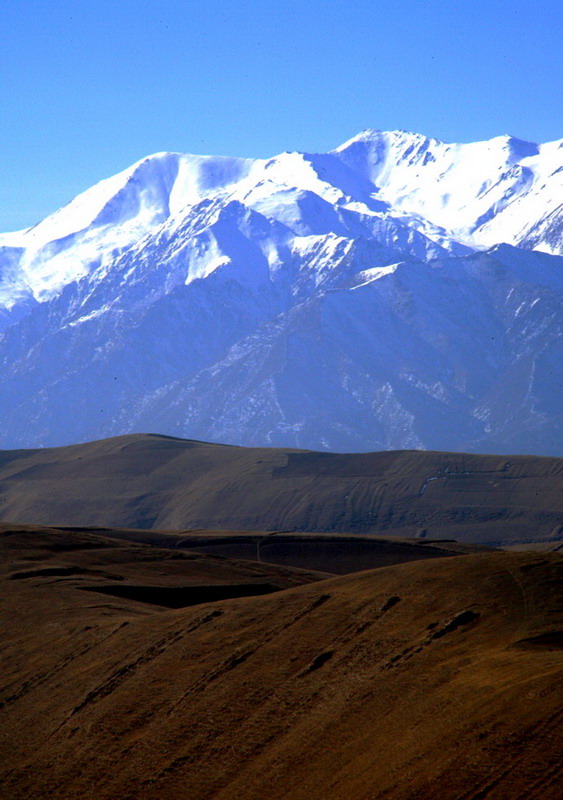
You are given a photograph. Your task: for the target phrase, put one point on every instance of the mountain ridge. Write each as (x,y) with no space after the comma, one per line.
(202,174)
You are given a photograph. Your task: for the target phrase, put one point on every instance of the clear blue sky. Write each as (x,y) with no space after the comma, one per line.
(89,86)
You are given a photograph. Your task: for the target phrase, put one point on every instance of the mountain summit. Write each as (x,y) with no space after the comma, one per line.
(397,292)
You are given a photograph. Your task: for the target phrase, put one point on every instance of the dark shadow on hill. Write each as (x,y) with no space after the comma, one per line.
(183,596)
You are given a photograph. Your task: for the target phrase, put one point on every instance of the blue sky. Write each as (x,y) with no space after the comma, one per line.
(90,86)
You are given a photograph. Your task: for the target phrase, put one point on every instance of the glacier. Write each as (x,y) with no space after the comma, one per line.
(396,292)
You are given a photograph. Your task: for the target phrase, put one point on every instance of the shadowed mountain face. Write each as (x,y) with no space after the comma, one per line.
(437,678)
(146,481)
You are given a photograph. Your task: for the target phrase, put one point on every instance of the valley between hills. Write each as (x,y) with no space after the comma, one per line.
(183,622)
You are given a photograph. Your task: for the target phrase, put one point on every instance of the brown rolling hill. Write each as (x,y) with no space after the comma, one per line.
(149,481)
(304,553)
(132,672)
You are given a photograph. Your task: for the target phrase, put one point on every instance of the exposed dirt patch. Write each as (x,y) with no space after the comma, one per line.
(552,640)
(463,618)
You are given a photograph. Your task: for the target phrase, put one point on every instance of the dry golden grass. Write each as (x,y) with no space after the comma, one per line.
(438,678)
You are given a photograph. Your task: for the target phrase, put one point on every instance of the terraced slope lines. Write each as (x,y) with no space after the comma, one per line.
(147,481)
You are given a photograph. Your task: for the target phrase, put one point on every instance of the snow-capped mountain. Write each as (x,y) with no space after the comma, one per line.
(395,292)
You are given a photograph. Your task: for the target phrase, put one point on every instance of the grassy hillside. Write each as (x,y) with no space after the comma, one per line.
(436,678)
(147,481)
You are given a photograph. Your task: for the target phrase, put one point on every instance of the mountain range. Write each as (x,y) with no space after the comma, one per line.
(397,292)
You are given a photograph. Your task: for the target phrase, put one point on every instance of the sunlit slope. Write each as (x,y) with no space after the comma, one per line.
(434,679)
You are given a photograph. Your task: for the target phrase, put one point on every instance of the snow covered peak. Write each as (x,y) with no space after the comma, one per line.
(374,136)
(377,184)
(108,218)
(146,192)
(480,192)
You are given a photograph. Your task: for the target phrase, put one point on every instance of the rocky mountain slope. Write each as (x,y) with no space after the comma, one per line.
(397,292)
